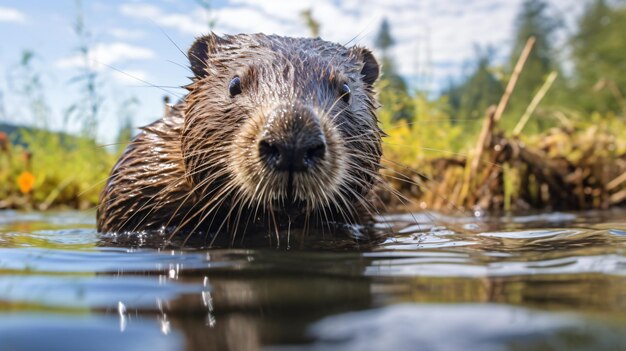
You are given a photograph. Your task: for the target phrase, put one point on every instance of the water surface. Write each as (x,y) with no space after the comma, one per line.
(552,281)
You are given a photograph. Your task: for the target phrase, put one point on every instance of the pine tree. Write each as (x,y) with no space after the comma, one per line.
(392,81)
(312,24)
(482,89)
(533,21)
(384,41)
(599,55)
(470,99)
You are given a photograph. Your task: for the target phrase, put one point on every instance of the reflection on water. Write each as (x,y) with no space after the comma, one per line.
(539,282)
(435,327)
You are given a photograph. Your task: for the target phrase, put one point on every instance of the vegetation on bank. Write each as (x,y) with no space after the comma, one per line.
(39,168)
(524,135)
(578,165)
(52,172)
(549,134)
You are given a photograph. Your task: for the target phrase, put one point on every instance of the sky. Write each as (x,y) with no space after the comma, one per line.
(136,45)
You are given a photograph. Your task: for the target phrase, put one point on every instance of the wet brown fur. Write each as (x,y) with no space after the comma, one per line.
(198,168)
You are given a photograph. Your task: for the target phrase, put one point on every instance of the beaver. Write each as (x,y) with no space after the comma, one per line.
(273,131)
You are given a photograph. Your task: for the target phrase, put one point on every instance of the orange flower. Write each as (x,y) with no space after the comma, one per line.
(25,181)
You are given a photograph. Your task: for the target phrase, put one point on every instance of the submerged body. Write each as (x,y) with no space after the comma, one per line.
(274,131)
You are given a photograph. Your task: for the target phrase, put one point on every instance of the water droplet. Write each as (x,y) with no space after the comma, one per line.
(121,311)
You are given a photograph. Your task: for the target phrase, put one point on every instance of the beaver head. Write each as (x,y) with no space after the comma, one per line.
(282,125)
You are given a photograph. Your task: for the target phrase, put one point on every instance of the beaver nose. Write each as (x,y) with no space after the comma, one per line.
(292,156)
(292,139)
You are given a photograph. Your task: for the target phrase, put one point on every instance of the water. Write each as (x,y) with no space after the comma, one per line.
(541,282)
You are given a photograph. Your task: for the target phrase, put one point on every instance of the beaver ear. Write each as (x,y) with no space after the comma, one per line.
(200,52)
(370,69)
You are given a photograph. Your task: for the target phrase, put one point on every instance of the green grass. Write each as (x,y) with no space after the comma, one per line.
(429,161)
(68,172)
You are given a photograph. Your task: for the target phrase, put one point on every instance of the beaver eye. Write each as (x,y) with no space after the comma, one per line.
(345,93)
(234,87)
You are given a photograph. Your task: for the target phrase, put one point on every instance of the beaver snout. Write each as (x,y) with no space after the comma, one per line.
(292,140)
(286,156)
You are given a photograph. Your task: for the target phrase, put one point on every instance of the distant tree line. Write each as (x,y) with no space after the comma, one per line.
(590,69)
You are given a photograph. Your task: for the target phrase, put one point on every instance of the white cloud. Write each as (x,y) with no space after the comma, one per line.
(428,33)
(190,24)
(126,34)
(103,55)
(11,15)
